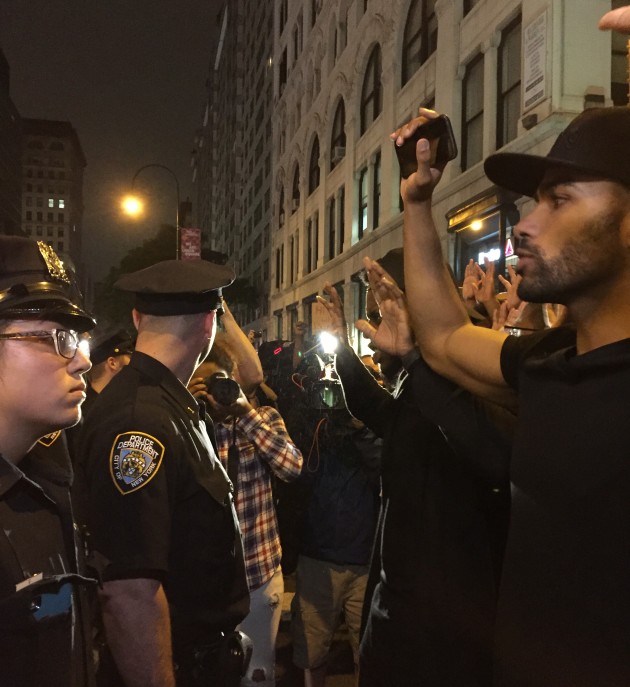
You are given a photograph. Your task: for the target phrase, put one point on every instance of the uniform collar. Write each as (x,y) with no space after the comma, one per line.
(9,475)
(158,372)
(40,470)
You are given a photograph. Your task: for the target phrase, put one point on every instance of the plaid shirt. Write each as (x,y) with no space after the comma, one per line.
(264,447)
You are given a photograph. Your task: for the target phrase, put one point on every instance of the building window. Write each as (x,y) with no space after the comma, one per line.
(282,71)
(371,94)
(60,232)
(619,63)
(332,222)
(281,208)
(376,191)
(308,248)
(60,245)
(509,87)
(38,230)
(49,231)
(313,168)
(50,217)
(363,202)
(291,260)
(284,14)
(472,124)
(469,4)
(295,193)
(51,202)
(342,217)
(61,203)
(338,137)
(29,215)
(420,38)
(29,202)
(60,217)
(40,216)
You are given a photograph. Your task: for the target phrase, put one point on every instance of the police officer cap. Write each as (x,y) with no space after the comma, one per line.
(34,284)
(104,344)
(177,287)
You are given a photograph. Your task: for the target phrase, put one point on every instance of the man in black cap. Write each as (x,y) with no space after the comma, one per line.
(110,352)
(44,636)
(161,515)
(564,608)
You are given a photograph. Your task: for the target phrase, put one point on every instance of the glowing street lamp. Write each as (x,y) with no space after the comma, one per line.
(134,207)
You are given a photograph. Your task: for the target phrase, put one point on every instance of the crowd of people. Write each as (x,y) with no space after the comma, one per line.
(459,498)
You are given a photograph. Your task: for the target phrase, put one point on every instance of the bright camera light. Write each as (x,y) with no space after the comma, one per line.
(328,342)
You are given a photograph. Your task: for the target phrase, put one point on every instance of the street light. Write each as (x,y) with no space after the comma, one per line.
(133,206)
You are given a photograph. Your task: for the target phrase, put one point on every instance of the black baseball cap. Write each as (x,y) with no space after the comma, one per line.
(177,287)
(34,284)
(596,142)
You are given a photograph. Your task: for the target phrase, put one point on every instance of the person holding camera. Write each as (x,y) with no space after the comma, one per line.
(161,515)
(254,446)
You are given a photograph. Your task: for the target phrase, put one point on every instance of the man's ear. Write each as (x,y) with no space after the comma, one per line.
(136,316)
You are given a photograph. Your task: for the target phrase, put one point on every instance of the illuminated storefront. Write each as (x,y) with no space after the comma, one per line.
(483,229)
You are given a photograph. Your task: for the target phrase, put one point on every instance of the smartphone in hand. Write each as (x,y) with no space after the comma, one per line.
(439,133)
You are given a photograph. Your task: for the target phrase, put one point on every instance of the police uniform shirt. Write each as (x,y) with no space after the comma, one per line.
(160,502)
(44,636)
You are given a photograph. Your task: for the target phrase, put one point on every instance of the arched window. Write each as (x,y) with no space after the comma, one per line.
(313,167)
(420,37)
(295,192)
(281,208)
(338,137)
(371,94)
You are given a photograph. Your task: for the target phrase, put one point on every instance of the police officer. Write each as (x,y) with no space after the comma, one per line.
(44,639)
(161,513)
(110,351)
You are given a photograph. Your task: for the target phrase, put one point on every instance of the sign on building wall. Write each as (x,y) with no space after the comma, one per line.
(534,62)
(190,243)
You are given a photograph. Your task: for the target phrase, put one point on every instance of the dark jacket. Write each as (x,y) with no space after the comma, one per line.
(433,589)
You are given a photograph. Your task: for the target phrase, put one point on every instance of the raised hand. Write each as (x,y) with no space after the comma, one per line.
(418,187)
(511,287)
(334,306)
(486,293)
(470,285)
(393,335)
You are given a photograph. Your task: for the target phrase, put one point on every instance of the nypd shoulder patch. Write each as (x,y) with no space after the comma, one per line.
(134,460)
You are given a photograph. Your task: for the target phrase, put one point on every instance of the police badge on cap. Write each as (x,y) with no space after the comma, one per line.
(34,284)
(177,287)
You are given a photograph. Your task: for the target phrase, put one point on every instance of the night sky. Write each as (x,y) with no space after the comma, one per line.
(129,75)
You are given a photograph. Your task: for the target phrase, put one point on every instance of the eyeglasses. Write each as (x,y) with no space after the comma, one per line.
(66,341)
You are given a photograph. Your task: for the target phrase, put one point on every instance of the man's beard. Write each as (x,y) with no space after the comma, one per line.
(585,263)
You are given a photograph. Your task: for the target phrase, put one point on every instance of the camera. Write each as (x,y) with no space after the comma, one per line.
(224,390)
(257,335)
(439,133)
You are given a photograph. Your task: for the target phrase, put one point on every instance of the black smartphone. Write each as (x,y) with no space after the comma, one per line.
(439,133)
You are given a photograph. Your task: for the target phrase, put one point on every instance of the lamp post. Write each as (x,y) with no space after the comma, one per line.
(133,206)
